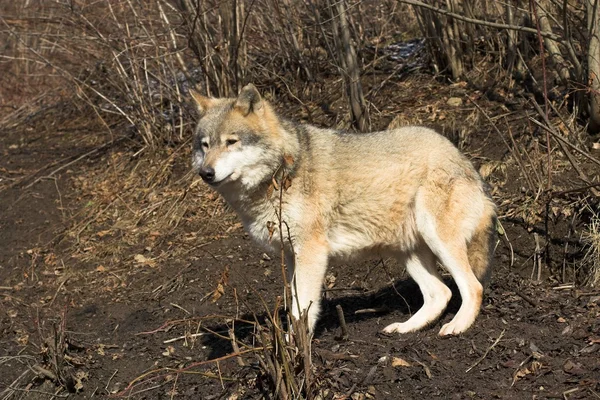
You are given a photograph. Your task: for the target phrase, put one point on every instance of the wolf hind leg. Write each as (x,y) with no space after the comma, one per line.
(420,265)
(451,251)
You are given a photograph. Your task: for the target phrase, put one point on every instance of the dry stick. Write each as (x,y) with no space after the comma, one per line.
(110,379)
(513,149)
(486,352)
(11,386)
(552,47)
(459,17)
(340,314)
(52,395)
(549,128)
(192,335)
(351,69)
(425,367)
(565,141)
(564,263)
(45,372)
(569,43)
(579,189)
(235,347)
(173,390)
(527,298)
(545,87)
(371,310)
(300,324)
(532,163)
(521,162)
(363,382)
(504,235)
(537,259)
(58,290)
(140,379)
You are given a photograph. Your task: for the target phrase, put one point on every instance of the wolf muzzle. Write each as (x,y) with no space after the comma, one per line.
(207,174)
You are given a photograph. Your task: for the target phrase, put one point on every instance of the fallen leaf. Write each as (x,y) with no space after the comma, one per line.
(168,351)
(399,362)
(79,377)
(522,372)
(219,291)
(144,261)
(22,337)
(330,281)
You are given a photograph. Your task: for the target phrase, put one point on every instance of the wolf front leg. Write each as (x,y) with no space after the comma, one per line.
(307,271)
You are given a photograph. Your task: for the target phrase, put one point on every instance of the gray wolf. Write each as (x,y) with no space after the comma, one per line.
(406,193)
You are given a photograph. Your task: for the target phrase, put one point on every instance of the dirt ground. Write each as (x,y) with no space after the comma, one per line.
(92,307)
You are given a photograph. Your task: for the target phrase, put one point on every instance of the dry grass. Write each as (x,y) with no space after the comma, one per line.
(591,237)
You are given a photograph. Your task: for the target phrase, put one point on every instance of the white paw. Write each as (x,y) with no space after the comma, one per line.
(453,328)
(398,327)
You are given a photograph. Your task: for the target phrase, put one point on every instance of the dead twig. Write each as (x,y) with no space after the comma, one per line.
(513,149)
(364,381)
(371,310)
(487,351)
(45,372)
(537,258)
(58,290)
(340,314)
(11,386)
(235,347)
(527,298)
(146,377)
(110,379)
(184,337)
(474,21)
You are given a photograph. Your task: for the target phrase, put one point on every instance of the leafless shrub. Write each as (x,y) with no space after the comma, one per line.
(130,61)
(285,359)
(122,59)
(284,44)
(517,34)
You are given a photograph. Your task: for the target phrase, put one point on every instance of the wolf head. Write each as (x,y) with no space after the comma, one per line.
(238,141)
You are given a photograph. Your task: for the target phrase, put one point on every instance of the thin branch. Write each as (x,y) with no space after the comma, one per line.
(486,352)
(482,22)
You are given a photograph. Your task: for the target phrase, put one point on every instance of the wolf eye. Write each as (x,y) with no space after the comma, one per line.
(231,142)
(204,145)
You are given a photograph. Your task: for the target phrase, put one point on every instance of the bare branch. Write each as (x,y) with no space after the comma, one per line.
(482,22)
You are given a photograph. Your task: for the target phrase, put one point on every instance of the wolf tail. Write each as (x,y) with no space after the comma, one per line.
(481,247)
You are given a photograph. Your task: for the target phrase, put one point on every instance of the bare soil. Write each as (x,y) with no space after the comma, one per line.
(127,312)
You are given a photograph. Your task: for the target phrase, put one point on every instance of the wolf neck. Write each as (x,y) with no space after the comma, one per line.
(259,199)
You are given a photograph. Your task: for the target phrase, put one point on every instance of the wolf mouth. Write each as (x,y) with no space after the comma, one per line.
(219,183)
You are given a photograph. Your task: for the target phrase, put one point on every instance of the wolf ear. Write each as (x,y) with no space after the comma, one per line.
(249,100)
(202,102)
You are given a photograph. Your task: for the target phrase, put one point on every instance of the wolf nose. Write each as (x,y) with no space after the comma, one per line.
(207,174)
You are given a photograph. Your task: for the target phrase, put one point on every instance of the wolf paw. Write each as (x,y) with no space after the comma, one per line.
(398,327)
(453,328)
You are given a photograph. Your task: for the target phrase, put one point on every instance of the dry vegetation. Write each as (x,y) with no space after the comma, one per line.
(118,72)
